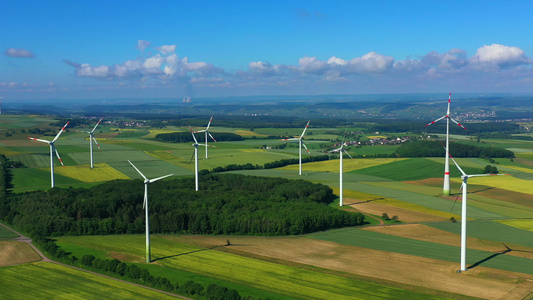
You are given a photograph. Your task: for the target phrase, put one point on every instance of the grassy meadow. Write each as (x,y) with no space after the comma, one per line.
(44,280)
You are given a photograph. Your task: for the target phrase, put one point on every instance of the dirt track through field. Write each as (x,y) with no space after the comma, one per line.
(418,271)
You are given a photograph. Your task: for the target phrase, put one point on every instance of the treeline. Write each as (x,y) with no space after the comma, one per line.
(227,204)
(186,137)
(292,161)
(436,149)
(136,273)
(418,127)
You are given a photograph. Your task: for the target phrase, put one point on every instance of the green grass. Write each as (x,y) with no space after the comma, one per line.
(412,169)
(43,280)
(38,179)
(389,243)
(257,274)
(492,231)
(6,233)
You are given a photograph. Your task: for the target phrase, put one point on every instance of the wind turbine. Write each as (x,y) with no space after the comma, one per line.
(91,139)
(206,130)
(300,143)
(464,186)
(341,150)
(1,97)
(446,185)
(52,150)
(145,206)
(195,145)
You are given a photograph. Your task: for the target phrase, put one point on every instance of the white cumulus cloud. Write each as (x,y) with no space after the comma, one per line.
(499,56)
(166,49)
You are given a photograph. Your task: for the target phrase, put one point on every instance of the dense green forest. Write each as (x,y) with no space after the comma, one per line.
(436,149)
(182,137)
(227,204)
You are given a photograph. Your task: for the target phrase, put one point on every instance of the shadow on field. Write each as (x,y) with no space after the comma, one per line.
(181,254)
(367,201)
(507,250)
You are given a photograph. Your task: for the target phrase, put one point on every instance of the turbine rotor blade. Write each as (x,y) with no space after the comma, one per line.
(457,165)
(211,137)
(449,101)
(39,140)
(303,132)
(457,123)
(436,120)
(347,153)
(96,125)
(96,142)
(156,179)
(306,148)
(137,170)
(57,154)
(209,124)
(145,198)
(191,157)
(195,141)
(60,132)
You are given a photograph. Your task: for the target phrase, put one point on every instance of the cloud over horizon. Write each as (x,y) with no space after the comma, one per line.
(166,68)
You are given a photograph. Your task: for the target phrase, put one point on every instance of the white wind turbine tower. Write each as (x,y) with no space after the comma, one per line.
(52,150)
(446,185)
(1,97)
(341,150)
(195,145)
(91,139)
(206,130)
(300,143)
(145,206)
(464,186)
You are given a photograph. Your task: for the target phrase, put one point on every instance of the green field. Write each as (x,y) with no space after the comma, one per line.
(43,280)
(258,274)
(6,233)
(389,243)
(413,169)
(491,231)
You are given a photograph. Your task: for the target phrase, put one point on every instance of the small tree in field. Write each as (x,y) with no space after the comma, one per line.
(385,216)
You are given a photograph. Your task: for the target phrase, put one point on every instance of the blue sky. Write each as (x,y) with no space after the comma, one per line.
(175,49)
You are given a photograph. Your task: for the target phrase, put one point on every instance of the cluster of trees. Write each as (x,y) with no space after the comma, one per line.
(436,149)
(135,273)
(417,127)
(227,204)
(183,137)
(292,161)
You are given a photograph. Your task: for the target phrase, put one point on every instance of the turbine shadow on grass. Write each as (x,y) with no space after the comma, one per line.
(366,201)
(190,252)
(507,250)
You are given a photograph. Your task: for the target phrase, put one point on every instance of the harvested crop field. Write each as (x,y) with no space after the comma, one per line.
(382,266)
(14,252)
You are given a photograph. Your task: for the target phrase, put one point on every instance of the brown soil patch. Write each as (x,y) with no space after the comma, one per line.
(429,234)
(124,257)
(525,162)
(13,253)
(403,214)
(375,265)
(506,195)
(427,182)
